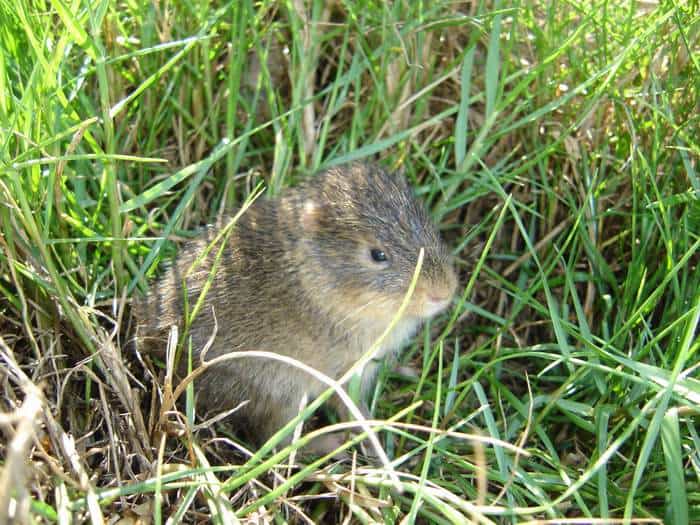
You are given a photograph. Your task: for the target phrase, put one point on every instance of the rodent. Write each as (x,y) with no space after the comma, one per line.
(317,274)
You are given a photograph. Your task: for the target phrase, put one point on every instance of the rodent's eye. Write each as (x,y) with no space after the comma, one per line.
(378,255)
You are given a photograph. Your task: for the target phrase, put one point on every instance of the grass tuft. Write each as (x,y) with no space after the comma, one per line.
(556,144)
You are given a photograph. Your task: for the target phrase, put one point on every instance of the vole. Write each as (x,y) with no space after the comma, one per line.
(316,274)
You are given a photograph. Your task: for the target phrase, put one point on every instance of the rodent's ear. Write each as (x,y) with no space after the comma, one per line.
(311,214)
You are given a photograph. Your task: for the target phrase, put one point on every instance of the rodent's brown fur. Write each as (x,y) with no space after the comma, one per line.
(297,278)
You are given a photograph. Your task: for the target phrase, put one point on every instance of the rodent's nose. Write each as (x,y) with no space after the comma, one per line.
(440,296)
(446,291)
(436,303)
(438,290)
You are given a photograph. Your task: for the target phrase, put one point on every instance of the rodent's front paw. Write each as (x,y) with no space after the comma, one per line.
(330,443)
(408,371)
(327,444)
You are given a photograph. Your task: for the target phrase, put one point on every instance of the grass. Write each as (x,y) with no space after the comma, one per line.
(556,144)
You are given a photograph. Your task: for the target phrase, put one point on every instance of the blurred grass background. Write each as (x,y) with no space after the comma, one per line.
(556,144)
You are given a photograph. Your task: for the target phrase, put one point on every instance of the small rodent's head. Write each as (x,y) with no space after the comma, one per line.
(363,230)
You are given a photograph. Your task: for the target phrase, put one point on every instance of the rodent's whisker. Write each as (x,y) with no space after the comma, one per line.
(360,320)
(360,309)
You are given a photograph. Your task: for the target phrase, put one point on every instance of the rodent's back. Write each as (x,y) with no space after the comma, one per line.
(239,281)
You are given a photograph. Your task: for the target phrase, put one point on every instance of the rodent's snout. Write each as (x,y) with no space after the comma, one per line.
(439,293)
